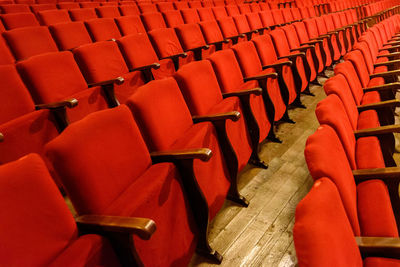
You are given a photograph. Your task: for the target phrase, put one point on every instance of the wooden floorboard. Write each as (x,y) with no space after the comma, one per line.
(261,234)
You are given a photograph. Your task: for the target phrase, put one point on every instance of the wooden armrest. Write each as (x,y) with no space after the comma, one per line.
(388,247)
(383,104)
(385,74)
(254,91)
(272,75)
(390,55)
(280,64)
(389,48)
(182,55)
(392,62)
(232,115)
(395,42)
(203,154)
(117,81)
(301,54)
(69,103)
(336,31)
(377,131)
(378,173)
(312,42)
(225,41)
(1,137)
(383,87)
(303,48)
(203,47)
(142,227)
(236,36)
(147,67)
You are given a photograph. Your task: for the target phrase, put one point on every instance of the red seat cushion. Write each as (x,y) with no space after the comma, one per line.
(369,153)
(375,211)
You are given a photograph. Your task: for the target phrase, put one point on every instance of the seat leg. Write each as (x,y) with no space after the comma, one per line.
(297,103)
(272,137)
(307,90)
(204,249)
(239,199)
(286,118)
(256,161)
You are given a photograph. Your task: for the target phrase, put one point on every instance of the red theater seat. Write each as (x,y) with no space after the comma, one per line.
(192,39)
(49,17)
(19,20)
(130,25)
(103,29)
(70,35)
(82,14)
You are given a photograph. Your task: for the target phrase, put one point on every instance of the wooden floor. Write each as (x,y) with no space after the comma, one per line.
(261,235)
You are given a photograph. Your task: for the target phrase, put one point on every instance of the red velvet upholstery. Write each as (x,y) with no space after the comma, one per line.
(138,52)
(102,61)
(206,14)
(165,6)
(41,7)
(166,44)
(44,242)
(49,17)
(338,85)
(130,25)
(63,32)
(129,10)
(147,7)
(191,37)
(82,14)
(254,21)
(325,157)
(232,10)
(19,20)
(212,33)
(365,153)
(282,48)
(228,28)
(14,8)
(173,18)
(250,64)
(244,8)
(103,29)
(184,4)
(173,117)
(266,18)
(67,5)
(278,16)
(5,54)
(108,12)
(121,181)
(322,234)
(200,88)
(230,79)
(55,77)
(40,41)
(219,12)
(153,21)
(190,15)
(243,27)
(287,15)
(267,55)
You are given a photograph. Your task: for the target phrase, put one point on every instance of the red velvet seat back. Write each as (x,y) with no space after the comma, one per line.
(165,42)
(219,12)
(6,56)
(232,10)
(103,29)
(173,18)
(296,13)
(50,17)
(281,43)
(287,15)
(326,157)
(366,54)
(137,50)
(206,14)
(320,216)
(166,96)
(211,31)
(241,23)
(14,97)
(19,20)
(247,56)
(267,18)
(358,61)
(147,7)
(108,12)
(164,6)
(108,168)
(82,14)
(338,85)
(153,21)
(184,4)
(129,10)
(14,8)
(255,7)
(330,111)
(254,21)
(291,36)
(244,8)
(190,15)
(52,77)
(278,17)
(347,69)
(130,25)
(100,61)
(68,5)
(312,28)
(190,36)
(228,27)
(199,86)
(70,35)
(301,32)
(51,225)
(40,41)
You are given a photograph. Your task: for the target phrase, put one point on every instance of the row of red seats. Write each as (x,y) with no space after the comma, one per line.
(108,143)
(350,158)
(31,2)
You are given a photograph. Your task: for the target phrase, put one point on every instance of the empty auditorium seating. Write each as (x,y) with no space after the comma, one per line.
(52,236)
(49,17)
(130,25)
(191,39)
(62,34)
(120,178)
(19,20)
(103,29)
(82,14)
